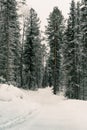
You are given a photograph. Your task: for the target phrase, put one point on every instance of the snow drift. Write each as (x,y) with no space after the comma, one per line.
(9,92)
(15,106)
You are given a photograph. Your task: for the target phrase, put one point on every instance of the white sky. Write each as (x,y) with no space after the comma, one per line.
(44,7)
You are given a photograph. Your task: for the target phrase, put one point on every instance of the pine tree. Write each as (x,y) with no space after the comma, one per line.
(54,31)
(32,51)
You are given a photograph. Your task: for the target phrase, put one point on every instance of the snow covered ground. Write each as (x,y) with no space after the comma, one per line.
(15,107)
(40,110)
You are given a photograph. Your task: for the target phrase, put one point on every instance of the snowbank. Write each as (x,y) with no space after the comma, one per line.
(15,106)
(9,93)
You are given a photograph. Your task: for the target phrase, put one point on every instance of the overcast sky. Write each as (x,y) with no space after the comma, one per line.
(44,7)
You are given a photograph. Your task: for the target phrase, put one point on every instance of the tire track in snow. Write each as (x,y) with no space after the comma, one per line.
(18,120)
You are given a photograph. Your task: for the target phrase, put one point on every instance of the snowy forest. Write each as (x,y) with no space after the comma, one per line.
(43,69)
(58,59)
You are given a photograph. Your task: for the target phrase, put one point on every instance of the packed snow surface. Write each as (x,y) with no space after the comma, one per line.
(40,110)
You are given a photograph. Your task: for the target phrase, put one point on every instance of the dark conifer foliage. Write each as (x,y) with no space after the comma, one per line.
(54,31)
(45,81)
(83,24)
(70,53)
(9,41)
(75,53)
(33,52)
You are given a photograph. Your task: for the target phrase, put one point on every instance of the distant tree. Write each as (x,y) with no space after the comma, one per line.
(39,64)
(45,77)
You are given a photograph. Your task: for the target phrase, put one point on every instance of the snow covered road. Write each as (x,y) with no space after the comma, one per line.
(43,111)
(58,114)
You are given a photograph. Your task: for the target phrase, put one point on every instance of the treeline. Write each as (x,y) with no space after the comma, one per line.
(24,61)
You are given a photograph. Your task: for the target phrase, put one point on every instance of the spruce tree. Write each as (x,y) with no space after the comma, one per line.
(83,24)
(2,44)
(9,41)
(23,19)
(78,50)
(54,32)
(32,52)
(70,54)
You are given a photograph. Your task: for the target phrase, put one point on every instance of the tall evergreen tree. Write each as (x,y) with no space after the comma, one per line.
(54,32)
(78,57)
(32,51)
(2,44)
(9,41)
(23,19)
(83,24)
(70,54)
